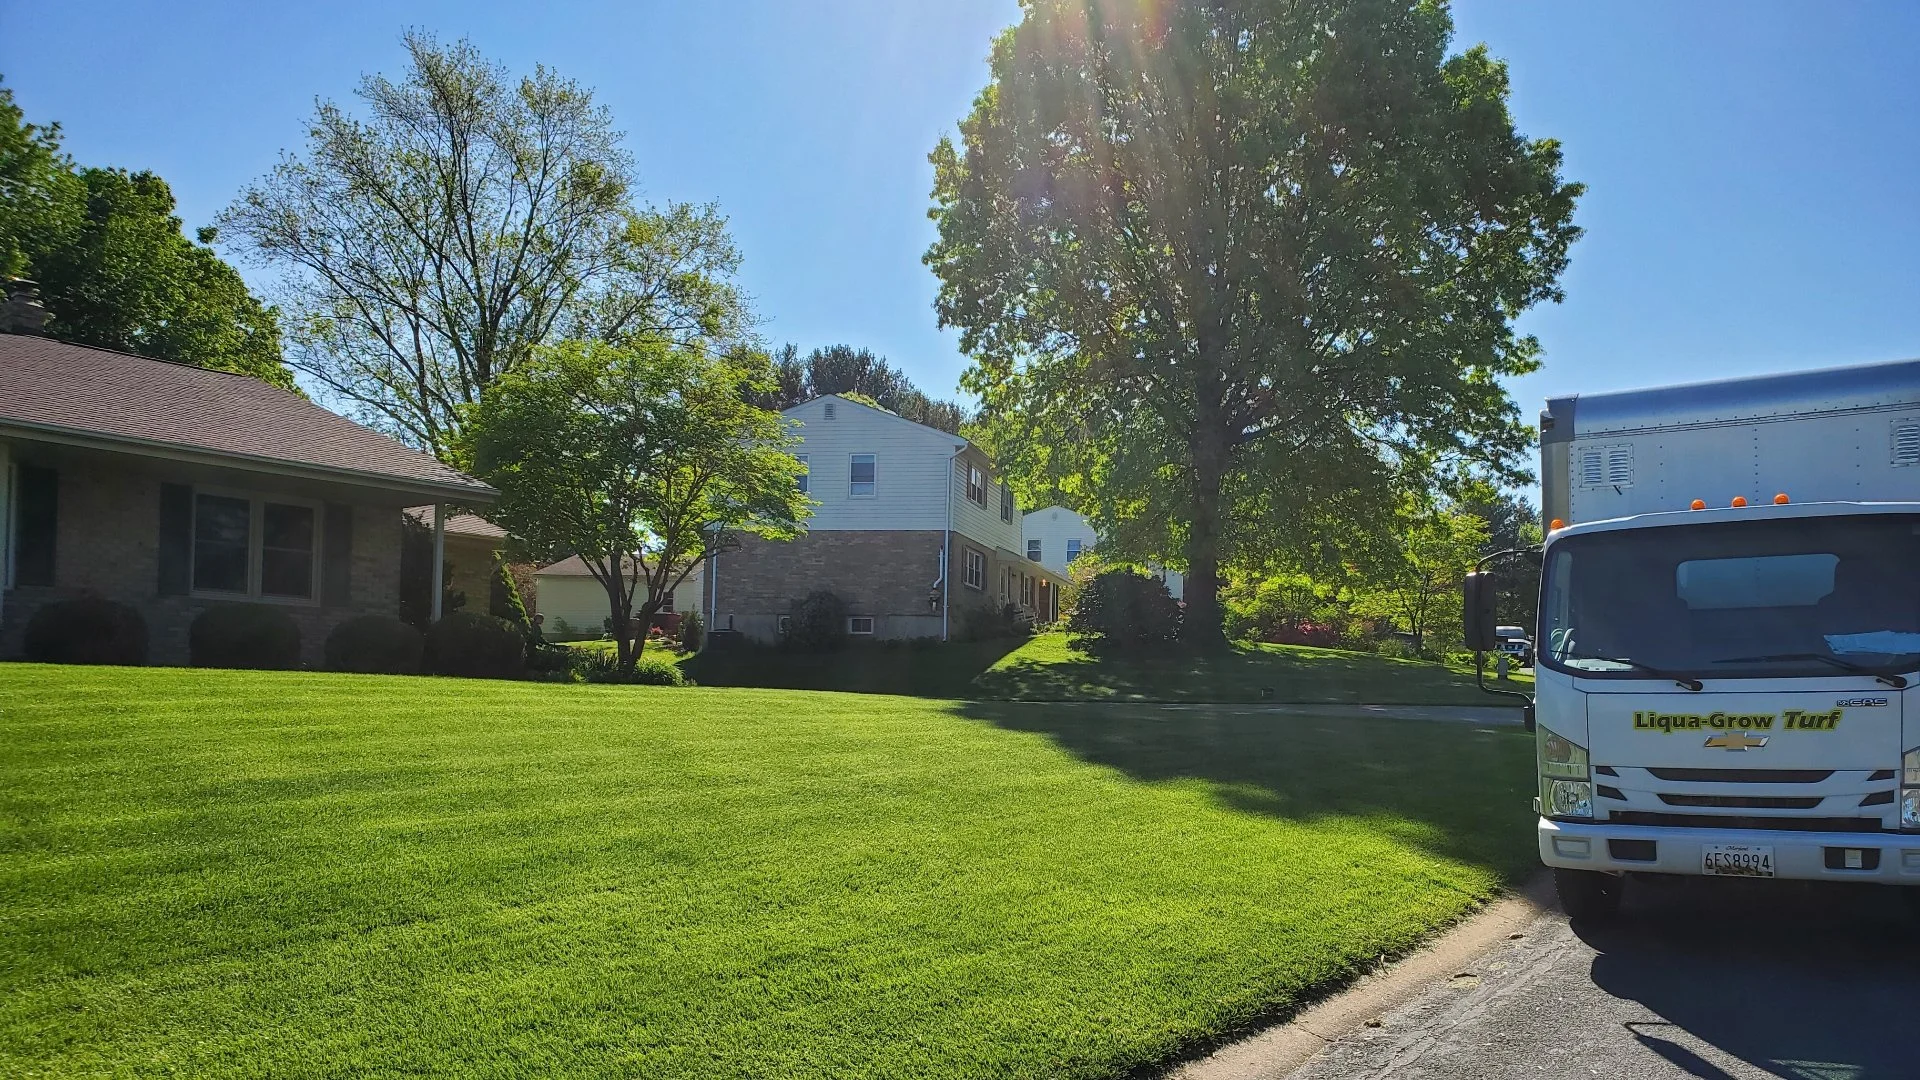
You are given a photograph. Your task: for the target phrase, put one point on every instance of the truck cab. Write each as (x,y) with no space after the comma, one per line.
(1730,689)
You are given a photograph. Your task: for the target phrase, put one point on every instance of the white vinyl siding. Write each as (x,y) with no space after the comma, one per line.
(909,461)
(979,519)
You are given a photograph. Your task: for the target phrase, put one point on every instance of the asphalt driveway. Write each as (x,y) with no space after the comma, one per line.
(1700,978)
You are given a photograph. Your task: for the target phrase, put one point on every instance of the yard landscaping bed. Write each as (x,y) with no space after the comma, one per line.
(1047,668)
(223,873)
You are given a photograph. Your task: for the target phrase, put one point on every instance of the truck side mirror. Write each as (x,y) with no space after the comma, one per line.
(1479,617)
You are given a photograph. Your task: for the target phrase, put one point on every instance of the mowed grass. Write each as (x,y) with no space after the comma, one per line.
(220,874)
(1048,668)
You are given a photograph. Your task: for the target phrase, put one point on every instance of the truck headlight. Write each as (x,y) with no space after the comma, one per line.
(1566,789)
(1559,756)
(1910,790)
(1566,798)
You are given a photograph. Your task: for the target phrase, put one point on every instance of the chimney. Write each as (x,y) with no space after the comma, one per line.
(23,313)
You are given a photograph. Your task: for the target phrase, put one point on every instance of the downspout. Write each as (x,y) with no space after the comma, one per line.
(439,559)
(946,552)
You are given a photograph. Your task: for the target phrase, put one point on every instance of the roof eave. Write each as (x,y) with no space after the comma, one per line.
(475,494)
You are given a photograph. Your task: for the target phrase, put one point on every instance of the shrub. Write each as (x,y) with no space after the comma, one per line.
(693,631)
(256,636)
(374,645)
(604,667)
(987,622)
(86,630)
(1124,609)
(818,623)
(475,646)
(503,595)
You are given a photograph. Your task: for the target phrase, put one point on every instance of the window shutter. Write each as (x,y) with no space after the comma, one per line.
(36,534)
(336,557)
(176,540)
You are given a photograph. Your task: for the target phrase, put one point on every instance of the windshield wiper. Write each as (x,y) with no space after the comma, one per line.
(1690,684)
(1898,682)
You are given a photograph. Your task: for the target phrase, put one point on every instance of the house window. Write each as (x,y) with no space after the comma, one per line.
(1026,590)
(976,569)
(1073,548)
(1033,549)
(862,475)
(860,624)
(666,604)
(976,486)
(1006,503)
(786,625)
(252,547)
(802,479)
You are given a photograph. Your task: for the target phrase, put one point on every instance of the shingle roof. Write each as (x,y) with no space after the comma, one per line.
(119,397)
(460,524)
(571,566)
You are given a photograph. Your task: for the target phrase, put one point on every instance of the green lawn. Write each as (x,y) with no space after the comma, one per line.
(246,874)
(1048,669)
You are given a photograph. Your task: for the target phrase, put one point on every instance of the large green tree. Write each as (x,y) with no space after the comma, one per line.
(642,458)
(843,369)
(465,217)
(113,266)
(1413,580)
(1218,260)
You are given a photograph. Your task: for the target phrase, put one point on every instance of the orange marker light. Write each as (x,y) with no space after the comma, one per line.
(1780,499)
(1556,525)
(1739,500)
(1699,504)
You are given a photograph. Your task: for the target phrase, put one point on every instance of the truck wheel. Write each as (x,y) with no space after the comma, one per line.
(1589,897)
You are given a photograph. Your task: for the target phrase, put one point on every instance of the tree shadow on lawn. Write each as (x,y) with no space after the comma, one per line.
(909,669)
(1455,791)
(1244,674)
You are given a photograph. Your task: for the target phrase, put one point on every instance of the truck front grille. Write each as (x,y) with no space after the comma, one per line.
(1748,802)
(1745,821)
(1743,776)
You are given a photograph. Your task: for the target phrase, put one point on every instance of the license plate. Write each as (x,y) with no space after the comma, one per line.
(1736,860)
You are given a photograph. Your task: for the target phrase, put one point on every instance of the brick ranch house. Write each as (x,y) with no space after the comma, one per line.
(913,527)
(172,489)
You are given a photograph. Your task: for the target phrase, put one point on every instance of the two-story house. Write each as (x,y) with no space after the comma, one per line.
(912,529)
(1055,536)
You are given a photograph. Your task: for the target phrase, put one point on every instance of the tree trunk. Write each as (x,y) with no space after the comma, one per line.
(1202,626)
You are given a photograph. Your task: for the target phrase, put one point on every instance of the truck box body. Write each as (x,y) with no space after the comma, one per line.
(1733,690)
(1844,434)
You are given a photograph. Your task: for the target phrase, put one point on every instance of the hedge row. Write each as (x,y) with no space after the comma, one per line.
(92,630)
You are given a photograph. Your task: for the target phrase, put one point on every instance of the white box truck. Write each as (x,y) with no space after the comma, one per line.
(1728,651)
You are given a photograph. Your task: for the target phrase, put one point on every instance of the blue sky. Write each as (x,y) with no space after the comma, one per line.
(1754,167)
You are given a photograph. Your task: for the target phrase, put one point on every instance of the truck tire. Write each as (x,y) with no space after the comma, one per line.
(1589,898)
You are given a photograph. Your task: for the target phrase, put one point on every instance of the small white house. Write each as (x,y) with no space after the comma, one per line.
(575,603)
(1056,536)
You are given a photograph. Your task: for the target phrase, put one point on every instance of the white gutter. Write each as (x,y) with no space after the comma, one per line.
(946,552)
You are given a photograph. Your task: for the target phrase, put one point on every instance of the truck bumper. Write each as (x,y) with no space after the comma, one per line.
(1797,856)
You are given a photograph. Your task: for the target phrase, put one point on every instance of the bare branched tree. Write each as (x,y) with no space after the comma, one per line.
(429,245)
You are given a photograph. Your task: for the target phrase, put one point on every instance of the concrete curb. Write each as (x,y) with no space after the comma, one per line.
(1279,1050)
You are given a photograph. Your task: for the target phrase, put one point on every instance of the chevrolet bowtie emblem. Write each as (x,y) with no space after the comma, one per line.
(1736,740)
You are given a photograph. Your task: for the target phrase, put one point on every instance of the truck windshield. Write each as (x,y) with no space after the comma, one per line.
(1751,599)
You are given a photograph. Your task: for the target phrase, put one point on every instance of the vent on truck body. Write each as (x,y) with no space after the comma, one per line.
(1604,466)
(1906,441)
